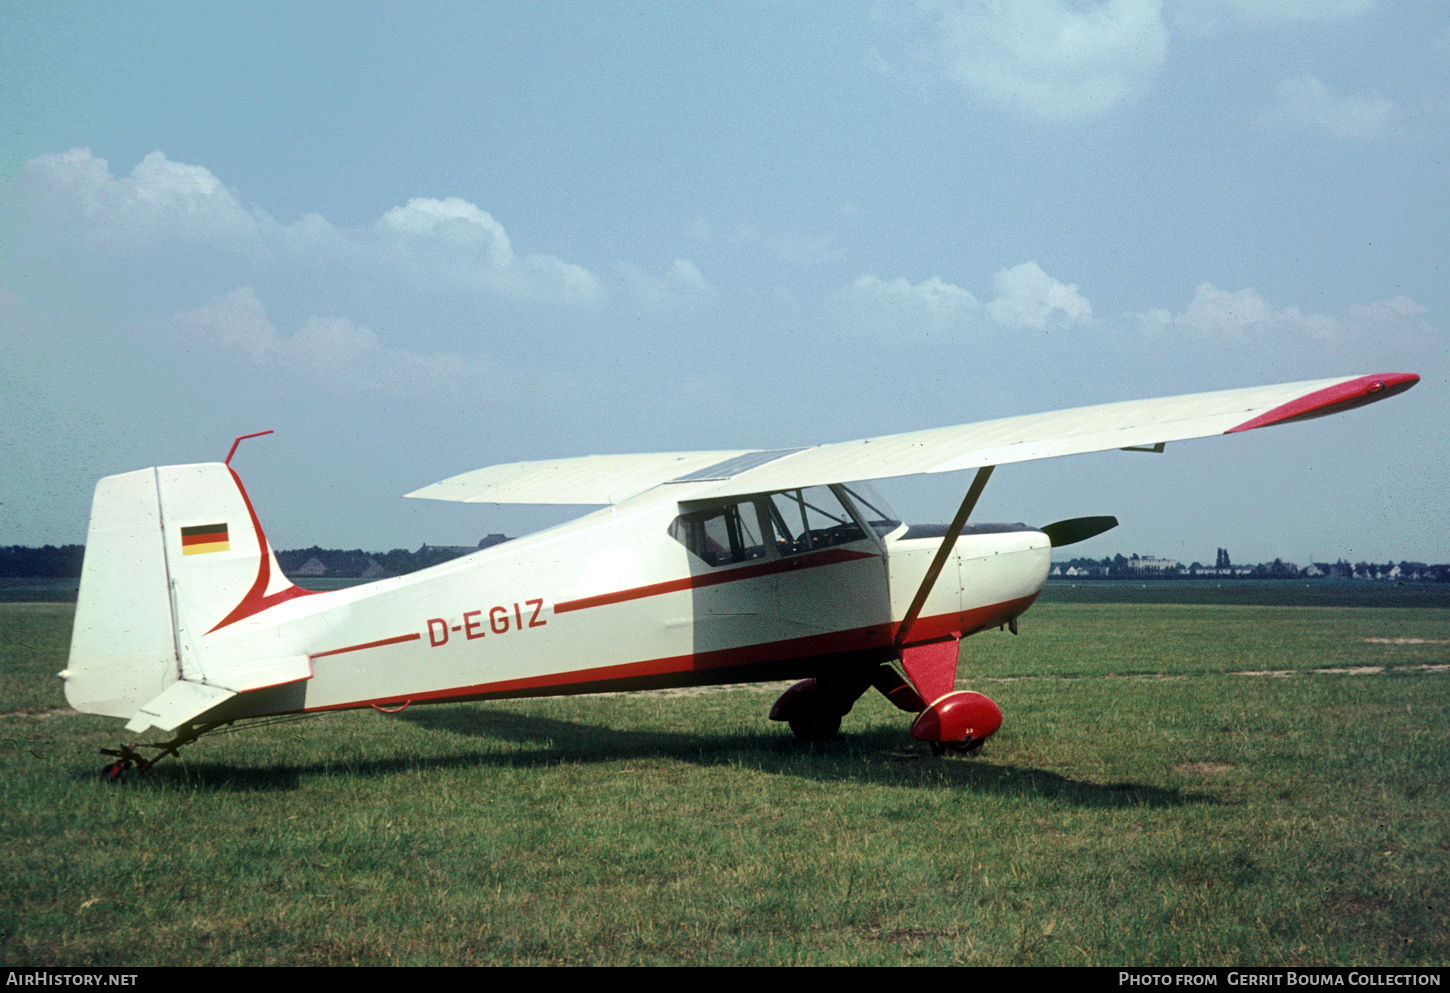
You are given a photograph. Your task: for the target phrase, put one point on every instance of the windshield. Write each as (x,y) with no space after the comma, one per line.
(873,507)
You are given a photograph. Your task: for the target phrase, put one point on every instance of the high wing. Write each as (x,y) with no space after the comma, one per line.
(589,479)
(604,479)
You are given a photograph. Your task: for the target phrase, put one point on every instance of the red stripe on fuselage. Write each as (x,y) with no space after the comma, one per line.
(748,663)
(370,644)
(809,561)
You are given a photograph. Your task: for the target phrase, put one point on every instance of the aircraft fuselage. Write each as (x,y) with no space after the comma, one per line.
(613,602)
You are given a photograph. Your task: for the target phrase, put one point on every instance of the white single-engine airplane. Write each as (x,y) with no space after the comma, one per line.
(704,567)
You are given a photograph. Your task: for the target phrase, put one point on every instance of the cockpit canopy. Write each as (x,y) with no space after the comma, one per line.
(788,522)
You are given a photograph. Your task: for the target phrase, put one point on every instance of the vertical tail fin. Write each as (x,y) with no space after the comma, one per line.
(173,554)
(123,646)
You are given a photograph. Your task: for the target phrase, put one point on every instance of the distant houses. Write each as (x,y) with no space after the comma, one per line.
(312,567)
(375,571)
(1147,563)
(1147,566)
(487,542)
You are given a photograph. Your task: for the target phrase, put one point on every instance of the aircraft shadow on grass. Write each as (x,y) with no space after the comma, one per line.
(877,756)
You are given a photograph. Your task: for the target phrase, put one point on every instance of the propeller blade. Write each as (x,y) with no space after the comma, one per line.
(1078,529)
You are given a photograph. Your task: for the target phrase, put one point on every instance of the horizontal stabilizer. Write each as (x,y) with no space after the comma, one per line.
(182,701)
(255,674)
(185,700)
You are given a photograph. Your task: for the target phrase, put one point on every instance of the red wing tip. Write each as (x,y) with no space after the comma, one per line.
(1334,399)
(1392,379)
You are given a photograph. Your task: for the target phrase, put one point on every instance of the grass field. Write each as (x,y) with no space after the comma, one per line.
(1146,802)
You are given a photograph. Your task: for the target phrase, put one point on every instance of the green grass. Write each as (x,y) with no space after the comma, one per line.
(1143,804)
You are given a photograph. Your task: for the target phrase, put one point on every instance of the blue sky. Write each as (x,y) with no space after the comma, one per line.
(420,241)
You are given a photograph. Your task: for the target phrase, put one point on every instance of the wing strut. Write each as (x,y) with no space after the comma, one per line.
(947,544)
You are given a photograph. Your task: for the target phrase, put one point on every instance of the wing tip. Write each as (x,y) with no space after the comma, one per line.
(1333,399)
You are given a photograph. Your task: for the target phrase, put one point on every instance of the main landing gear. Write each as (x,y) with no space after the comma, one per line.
(955,722)
(815,727)
(814,707)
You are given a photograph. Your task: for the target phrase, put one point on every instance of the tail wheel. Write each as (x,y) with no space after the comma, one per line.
(815,726)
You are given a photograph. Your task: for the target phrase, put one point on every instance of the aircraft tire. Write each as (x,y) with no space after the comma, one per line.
(816,727)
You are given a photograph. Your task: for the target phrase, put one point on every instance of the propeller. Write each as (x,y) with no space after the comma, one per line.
(1077,529)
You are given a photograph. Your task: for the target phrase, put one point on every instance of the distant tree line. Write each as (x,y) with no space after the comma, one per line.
(65,561)
(49,562)
(1144,567)
(358,564)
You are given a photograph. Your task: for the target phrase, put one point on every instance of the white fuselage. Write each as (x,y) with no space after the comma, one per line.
(611,601)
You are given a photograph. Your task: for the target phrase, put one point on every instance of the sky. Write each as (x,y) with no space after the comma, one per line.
(415,241)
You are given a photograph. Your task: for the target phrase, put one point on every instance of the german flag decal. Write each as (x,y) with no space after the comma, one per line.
(205,538)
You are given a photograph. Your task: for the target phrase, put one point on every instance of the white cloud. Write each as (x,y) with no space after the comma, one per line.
(933,296)
(681,283)
(1400,308)
(454,220)
(683,273)
(568,281)
(453,243)
(905,314)
(159,201)
(169,207)
(1215,313)
(331,351)
(1394,323)
(1027,297)
(234,320)
(1049,59)
(1303,103)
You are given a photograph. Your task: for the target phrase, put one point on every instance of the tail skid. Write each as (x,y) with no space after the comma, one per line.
(129,756)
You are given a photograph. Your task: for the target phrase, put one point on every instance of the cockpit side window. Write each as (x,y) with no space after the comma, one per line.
(793,521)
(805,520)
(721,535)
